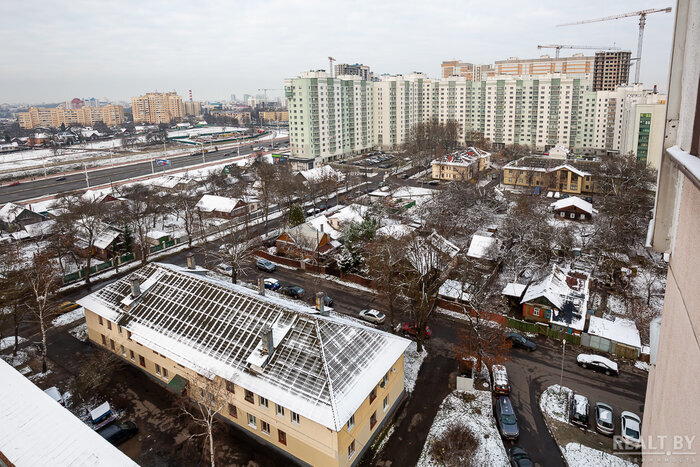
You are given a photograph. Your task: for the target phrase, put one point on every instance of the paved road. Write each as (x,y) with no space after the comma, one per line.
(76,181)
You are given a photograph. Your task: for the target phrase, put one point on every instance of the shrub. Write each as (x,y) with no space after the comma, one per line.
(455,447)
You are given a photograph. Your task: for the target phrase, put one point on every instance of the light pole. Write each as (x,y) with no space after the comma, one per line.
(87,180)
(561,376)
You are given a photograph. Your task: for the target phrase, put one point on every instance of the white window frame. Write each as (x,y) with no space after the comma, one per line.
(252,421)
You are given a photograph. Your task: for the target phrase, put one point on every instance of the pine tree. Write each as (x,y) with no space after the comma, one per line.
(296,215)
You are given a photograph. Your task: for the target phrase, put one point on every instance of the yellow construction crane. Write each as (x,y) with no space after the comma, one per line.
(330,62)
(642,21)
(558,47)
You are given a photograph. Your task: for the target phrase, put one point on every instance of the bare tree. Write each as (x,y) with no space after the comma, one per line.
(39,279)
(210,400)
(184,206)
(12,292)
(236,252)
(384,253)
(265,184)
(140,210)
(425,138)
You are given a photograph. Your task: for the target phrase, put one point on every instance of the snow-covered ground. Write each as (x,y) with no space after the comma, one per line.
(67,318)
(80,332)
(477,416)
(641,365)
(8,342)
(555,403)
(412,363)
(578,455)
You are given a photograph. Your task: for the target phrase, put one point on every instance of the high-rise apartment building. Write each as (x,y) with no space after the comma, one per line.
(611,70)
(84,116)
(157,107)
(356,69)
(192,108)
(466,70)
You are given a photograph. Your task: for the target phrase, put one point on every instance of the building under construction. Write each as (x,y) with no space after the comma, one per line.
(611,69)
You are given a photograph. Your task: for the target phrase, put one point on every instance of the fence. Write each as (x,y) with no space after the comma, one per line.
(540,329)
(278,259)
(458,308)
(606,345)
(99,267)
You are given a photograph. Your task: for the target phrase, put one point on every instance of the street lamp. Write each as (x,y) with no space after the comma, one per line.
(561,376)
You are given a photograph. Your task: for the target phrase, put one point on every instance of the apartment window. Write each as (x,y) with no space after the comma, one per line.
(119,328)
(372,395)
(373,420)
(123,351)
(128,335)
(111,344)
(262,402)
(99,320)
(131,355)
(280,410)
(385,380)
(230,387)
(104,340)
(295,417)
(232,410)
(109,325)
(385,403)
(264,427)
(351,422)
(165,372)
(142,361)
(282,437)
(351,448)
(249,396)
(157,369)
(252,422)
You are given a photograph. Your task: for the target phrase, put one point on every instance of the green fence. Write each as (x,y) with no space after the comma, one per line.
(540,329)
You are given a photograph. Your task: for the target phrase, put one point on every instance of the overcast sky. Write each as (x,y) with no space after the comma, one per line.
(54,51)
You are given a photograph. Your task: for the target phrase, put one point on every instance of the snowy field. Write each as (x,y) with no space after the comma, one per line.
(578,455)
(477,416)
(412,363)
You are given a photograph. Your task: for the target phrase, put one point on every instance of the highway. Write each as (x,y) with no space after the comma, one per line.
(76,181)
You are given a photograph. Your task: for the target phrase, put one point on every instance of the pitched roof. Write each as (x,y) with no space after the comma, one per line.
(464,158)
(576,202)
(568,295)
(480,247)
(211,203)
(306,235)
(433,251)
(322,367)
(319,173)
(619,330)
(350,213)
(10,212)
(36,430)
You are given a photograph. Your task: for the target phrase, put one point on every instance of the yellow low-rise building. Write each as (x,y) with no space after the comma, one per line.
(314,386)
(548,174)
(461,165)
(275,116)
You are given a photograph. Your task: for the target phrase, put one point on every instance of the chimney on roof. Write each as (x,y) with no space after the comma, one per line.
(191,263)
(267,343)
(321,304)
(261,285)
(135,288)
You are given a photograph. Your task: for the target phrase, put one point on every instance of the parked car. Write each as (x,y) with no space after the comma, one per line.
(433,182)
(596,362)
(61,179)
(604,421)
(505,418)
(293,291)
(578,414)
(404,176)
(55,394)
(117,433)
(519,341)
(411,330)
(271,283)
(265,265)
(13,184)
(631,429)
(501,385)
(519,458)
(224,268)
(373,316)
(67,306)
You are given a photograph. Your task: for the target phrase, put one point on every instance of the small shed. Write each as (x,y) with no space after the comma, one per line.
(573,208)
(618,336)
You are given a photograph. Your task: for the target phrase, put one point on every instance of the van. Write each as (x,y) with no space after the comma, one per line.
(501,385)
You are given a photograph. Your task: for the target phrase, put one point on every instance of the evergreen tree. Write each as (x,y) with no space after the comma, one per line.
(296,215)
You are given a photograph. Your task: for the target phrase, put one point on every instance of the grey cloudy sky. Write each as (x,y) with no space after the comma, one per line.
(54,51)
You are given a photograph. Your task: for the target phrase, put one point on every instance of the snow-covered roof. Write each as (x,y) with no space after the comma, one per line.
(395,230)
(454,289)
(463,158)
(480,246)
(567,293)
(40,228)
(321,224)
(513,290)
(36,430)
(321,367)
(351,213)
(106,237)
(320,173)
(574,201)
(619,330)
(10,212)
(211,203)
(170,181)
(433,251)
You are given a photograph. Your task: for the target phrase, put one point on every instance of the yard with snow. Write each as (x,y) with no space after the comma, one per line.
(412,363)
(70,317)
(474,411)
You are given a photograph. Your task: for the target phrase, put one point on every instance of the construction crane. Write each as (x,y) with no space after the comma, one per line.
(267,89)
(558,47)
(330,62)
(642,21)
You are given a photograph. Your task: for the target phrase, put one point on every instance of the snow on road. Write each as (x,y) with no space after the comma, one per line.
(412,363)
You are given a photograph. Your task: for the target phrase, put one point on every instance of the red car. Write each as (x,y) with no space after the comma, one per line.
(13,184)
(410,329)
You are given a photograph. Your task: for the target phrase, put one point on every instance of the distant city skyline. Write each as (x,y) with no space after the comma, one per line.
(94,49)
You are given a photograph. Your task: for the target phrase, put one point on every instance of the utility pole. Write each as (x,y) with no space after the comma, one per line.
(561,376)
(87,180)
(153,169)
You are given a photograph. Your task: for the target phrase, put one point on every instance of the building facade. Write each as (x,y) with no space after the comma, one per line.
(461,165)
(192,108)
(157,107)
(466,70)
(84,116)
(611,70)
(549,174)
(578,64)
(670,423)
(314,387)
(356,69)
(274,116)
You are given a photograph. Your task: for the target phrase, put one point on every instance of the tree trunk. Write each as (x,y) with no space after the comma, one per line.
(43,343)
(211,443)
(17,322)
(234,275)
(87,268)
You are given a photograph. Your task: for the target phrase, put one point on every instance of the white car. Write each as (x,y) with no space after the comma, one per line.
(224,268)
(598,363)
(631,429)
(55,394)
(373,316)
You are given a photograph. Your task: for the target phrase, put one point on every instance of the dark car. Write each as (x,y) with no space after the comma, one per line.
(519,458)
(272,284)
(578,414)
(117,433)
(519,341)
(404,176)
(265,265)
(411,330)
(604,419)
(505,418)
(61,179)
(293,291)
(327,301)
